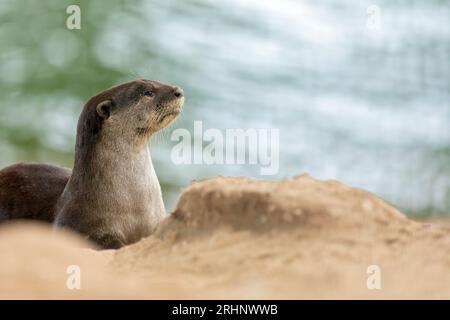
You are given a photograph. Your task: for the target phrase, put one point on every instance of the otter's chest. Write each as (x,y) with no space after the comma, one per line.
(141,206)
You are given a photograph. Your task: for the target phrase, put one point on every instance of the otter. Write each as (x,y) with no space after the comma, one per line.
(113,196)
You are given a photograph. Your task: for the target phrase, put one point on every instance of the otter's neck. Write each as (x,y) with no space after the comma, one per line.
(117,176)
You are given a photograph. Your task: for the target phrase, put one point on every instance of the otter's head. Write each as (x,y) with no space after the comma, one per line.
(133,111)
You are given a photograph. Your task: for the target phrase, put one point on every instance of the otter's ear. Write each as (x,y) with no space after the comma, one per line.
(104,109)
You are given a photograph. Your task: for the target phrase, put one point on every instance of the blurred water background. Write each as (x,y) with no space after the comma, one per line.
(368,107)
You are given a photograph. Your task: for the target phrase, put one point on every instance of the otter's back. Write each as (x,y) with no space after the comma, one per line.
(31,190)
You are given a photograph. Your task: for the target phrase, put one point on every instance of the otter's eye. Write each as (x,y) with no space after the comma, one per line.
(149,94)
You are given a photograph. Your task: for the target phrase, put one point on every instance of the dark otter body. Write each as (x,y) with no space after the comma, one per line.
(30,191)
(113,196)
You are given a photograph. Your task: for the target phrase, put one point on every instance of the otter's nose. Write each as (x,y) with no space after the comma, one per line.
(178,92)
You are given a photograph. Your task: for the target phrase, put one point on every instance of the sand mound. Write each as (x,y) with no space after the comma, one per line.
(242,238)
(36,263)
(300,202)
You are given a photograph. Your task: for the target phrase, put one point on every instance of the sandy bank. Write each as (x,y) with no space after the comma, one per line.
(241,238)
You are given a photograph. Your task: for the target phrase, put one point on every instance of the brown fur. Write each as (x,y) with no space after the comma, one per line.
(30,191)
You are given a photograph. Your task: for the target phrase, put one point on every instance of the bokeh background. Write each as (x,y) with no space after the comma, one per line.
(368,107)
